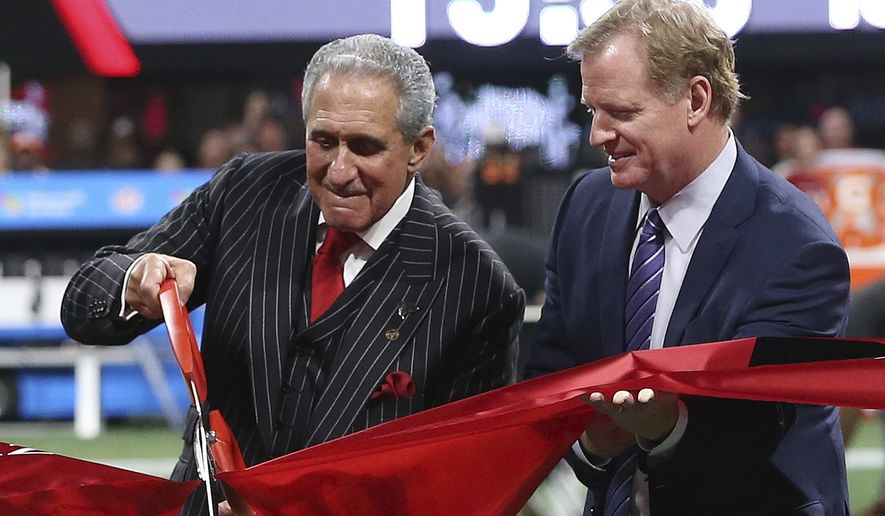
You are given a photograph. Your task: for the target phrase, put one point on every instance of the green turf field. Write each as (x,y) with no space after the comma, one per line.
(151,447)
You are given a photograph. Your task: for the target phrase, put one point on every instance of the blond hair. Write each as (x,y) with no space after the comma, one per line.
(681,41)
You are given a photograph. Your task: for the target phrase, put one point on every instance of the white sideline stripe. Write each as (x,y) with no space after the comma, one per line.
(157,467)
(865,458)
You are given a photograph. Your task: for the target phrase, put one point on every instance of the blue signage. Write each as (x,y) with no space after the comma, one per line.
(92,199)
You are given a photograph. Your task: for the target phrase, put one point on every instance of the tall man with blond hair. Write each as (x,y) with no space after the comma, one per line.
(685,238)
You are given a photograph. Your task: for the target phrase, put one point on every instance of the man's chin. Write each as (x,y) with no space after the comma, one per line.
(345,219)
(623,180)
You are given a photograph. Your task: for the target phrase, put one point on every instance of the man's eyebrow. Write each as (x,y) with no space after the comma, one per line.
(365,139)
(319,132)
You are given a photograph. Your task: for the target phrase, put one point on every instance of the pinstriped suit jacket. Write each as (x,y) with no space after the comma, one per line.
(251,232)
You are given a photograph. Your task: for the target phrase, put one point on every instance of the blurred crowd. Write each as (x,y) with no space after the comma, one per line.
(132,141)
(141,138)
(797,147)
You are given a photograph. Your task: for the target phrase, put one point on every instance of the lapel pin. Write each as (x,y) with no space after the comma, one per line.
(391,334)
(404,309)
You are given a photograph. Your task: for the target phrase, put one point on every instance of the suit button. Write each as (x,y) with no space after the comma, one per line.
(98,308)
(279,424)
(286,388)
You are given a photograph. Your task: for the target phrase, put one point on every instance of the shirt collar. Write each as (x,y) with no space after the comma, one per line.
(685,213)
(375,235)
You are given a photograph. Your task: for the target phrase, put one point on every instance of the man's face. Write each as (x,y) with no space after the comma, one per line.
(357,161)
(642,133)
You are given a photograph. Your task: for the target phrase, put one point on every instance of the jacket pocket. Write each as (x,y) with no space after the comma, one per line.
(814,508)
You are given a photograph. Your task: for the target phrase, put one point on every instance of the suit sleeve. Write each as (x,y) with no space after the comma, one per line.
(492,346)
(91,303)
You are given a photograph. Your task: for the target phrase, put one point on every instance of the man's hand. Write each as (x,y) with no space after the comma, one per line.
(603,439)
(225,509)
(143,290)
(650,417)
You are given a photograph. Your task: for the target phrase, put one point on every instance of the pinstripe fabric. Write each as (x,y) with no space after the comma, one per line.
(251,233)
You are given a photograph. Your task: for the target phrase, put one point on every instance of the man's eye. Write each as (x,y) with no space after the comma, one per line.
(322,141)
(365,147)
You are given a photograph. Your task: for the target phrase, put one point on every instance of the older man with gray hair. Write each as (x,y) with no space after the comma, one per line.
(340,292)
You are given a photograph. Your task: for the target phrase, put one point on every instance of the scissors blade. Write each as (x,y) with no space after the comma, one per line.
(201,451)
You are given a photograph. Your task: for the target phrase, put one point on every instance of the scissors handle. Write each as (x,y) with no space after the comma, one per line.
(184,343)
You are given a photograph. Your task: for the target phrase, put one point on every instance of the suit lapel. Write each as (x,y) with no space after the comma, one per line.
(285,232)
(614,252)
(401,282)
(720,235)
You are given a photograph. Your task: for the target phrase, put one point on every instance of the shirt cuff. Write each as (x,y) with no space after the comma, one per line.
(126,311)
(595,463)
(665,448)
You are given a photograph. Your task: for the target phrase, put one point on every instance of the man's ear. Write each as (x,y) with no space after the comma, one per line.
(700,95)
(421,148)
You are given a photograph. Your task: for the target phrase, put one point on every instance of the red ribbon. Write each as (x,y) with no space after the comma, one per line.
(34,482)
(397,384)
(429,463)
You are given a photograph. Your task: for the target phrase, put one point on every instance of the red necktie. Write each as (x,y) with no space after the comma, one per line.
(327,279)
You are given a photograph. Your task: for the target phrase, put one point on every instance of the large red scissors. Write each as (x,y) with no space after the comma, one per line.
(215,448)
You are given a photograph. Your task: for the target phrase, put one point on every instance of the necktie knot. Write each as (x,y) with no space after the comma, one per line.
(336,242)
(653,223)
(651,239)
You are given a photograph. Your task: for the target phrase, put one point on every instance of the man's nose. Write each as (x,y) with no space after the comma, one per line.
(601,131)
(343,165)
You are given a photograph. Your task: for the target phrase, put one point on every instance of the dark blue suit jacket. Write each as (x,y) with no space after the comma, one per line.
(767,264)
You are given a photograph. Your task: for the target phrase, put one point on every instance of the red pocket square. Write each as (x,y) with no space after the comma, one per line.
(397,384)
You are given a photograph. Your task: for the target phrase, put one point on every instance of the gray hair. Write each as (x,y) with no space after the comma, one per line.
(373,54)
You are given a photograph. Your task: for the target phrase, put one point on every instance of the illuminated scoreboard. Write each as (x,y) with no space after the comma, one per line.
(479,22)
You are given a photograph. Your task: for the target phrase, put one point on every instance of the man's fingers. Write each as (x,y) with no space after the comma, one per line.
(143,292)
(645,395)
(224,509)
(185,274)
(623,398)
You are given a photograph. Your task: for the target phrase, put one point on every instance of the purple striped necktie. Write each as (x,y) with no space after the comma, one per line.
(620,489)
(644,283)
(639,314)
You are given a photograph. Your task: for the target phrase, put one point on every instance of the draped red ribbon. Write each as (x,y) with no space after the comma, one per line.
(482,455)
